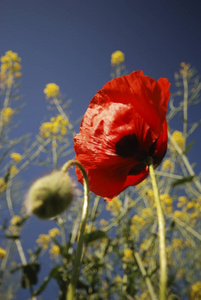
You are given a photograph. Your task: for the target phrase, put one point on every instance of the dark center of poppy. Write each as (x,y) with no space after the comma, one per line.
(128,146)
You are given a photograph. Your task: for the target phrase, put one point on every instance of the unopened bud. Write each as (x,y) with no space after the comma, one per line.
(50,195)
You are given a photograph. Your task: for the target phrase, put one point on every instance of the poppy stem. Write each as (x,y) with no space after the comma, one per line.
(70,295)
(161,231)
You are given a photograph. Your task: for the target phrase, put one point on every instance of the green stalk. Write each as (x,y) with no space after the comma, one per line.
(161,232)
(78,256)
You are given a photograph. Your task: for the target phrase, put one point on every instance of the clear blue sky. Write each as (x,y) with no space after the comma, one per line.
(70,42)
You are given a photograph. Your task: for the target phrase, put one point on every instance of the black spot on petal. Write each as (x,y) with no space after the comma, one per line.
(128,146)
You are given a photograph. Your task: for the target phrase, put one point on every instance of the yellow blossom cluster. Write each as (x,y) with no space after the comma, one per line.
(177,136)
(54,232)
(182,201)
(2,253)
(51,90)
(177,244)
(166,202)
(103,222)
(10,67)
(167,165)
(56,128)
(16,157)
(54,250)
(179,215)
(128,255)
(43,241)
(2,185)
(184,68)
(195,293)
(117,58)
(114,206)
(7,114)
(13,171)
(15,224)
(137,222)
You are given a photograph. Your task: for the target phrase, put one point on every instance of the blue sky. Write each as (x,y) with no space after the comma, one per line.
(70,43)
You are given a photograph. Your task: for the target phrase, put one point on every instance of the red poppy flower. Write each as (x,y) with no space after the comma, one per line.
(124,124)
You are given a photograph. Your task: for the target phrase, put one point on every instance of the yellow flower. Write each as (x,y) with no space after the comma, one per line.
(182,200)
(2,185)
(190,205)
(167,164)
(10,64)
(195,291)
(51,90)
(15,224)
(118,279)
(7,114)
(54,232)
(16,157)
(57,127)
(166,199)
(114,206)
(178,215)
(13,170)
(138,220)
(54,250)
(2,253)
(117,58)
(178,138)
(128,255)
(103,222)
(15,220)
(177,244)
(43,240)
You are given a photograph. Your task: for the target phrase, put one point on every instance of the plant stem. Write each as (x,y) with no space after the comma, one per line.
(185,107)
(161,232)
(77,262)
(144,274)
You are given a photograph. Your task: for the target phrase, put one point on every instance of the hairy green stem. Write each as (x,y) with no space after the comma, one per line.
(161,232)
(77,262)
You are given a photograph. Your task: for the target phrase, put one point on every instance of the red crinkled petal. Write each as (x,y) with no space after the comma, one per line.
(133,105)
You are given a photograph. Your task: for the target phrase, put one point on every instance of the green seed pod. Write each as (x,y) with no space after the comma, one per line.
(50,195)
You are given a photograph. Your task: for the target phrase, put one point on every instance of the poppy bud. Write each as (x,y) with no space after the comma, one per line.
(50,195)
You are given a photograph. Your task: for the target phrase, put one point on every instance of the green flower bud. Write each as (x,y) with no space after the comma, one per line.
(50,195)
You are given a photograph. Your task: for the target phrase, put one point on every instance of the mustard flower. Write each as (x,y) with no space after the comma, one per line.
(2,253)
(178,215)
(195,293)
(114,206)
(167,164)
(182,200)
(13,171)
(54,250)
(51,90)
(7,114)
(54,232)
(57,127)
(177,136)
(2,185)
(177,244)
(43,241)
(128,255)
(16,157)
(15,220)
(117,58)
